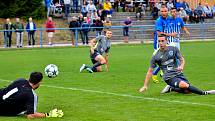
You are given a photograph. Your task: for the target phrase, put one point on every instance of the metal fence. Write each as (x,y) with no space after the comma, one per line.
(137,33)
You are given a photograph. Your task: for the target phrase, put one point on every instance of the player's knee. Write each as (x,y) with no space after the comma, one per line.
(103,61)
(183,85)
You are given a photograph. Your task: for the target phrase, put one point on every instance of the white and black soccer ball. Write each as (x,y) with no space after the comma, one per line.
(51,70)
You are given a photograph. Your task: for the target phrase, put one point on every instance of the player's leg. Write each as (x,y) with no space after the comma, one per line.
(180,84)
(100,61)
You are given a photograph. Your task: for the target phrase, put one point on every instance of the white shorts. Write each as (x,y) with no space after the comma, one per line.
(50,34)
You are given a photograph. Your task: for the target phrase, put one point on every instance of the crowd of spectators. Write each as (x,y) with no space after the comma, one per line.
(192,15)
(30,27)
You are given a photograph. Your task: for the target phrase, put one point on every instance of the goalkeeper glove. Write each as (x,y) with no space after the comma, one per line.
(54,113)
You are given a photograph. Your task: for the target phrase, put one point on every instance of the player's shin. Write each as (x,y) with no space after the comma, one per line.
(196,90)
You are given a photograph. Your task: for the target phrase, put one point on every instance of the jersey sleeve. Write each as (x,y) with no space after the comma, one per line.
(107,50)
(182,22)
(99,38)
(178,53)
(31,103)
(153,62)
(158,25)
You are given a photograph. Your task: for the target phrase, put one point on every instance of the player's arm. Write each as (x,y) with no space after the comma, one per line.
(36,115)
(181,59)
(186,30)
(92,45)
(146,81)
(182,63)
(107,63)
(174,34)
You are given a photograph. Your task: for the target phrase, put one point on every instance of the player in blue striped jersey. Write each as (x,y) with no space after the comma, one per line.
(176,25)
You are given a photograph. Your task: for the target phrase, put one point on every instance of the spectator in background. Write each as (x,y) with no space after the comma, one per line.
(200,13)
(31,28)
(73,25)
(213,10)
(98,23)
(19,27)
(155,11)
(208,11)
(8,26)
(193,17)
(80,21)
(107,8)
(182,14)
(186,7)
(139,12)
(116,5)
(179,4)
(84,9)
(50,30)
(170,4)
(107,25)
(91,8)
(67,7)
(122,5)
(85,27)
(75,6)
(48,7)
(127,23)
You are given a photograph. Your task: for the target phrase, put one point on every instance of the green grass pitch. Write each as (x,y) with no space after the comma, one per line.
(113,95)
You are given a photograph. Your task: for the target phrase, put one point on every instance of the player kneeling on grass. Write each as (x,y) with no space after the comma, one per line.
(19,98)
(98,46)
(166,58)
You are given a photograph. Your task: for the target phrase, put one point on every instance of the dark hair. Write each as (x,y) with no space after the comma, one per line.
(173,8)
(163,35)
(35,77)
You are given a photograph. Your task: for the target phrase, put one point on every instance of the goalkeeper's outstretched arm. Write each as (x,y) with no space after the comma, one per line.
(36,115)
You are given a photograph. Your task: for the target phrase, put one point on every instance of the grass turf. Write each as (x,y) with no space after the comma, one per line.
(113,95)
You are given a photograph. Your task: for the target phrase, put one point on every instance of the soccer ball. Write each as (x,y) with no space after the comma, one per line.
(51,70)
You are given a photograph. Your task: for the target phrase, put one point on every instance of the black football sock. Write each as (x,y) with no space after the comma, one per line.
(196,90)
(96,65)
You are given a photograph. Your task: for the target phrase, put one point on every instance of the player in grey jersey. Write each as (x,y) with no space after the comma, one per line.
(98,47)
(166,58)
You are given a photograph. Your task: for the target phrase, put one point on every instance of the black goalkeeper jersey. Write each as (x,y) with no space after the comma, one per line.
(17,98)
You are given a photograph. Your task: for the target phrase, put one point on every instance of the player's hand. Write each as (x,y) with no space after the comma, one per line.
(188,33)
(54,113)
(92,50)
(174,34)
(143,89)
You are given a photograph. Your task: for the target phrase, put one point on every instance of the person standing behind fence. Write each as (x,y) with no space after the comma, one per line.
(107,25)
(67,7)
(85,27)
(19,27)
(127,23)
(73,25)
(8,26)
(31,28)
(50,30)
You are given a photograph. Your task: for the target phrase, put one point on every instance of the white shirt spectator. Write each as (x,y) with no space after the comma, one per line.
(213,8)
(31,26)
(158,5)
(91,8)
(67,1)
(170,5)
(207,9)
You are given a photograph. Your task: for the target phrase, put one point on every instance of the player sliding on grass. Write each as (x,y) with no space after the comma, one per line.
(166,58)
(19,98)
(99,46)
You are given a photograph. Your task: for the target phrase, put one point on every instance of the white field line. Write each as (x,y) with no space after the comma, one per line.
(124,95)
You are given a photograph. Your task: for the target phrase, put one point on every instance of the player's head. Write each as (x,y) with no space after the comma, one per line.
(108,34)
(173,12)
(162,41)
(164,11)
(35,79)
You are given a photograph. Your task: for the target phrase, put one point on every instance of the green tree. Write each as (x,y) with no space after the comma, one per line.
(22,8)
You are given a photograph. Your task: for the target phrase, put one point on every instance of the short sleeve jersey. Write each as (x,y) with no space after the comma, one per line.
(18,97)
(102,44)
(166,60)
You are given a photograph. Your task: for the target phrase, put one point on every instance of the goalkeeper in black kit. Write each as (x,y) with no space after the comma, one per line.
(19,98)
